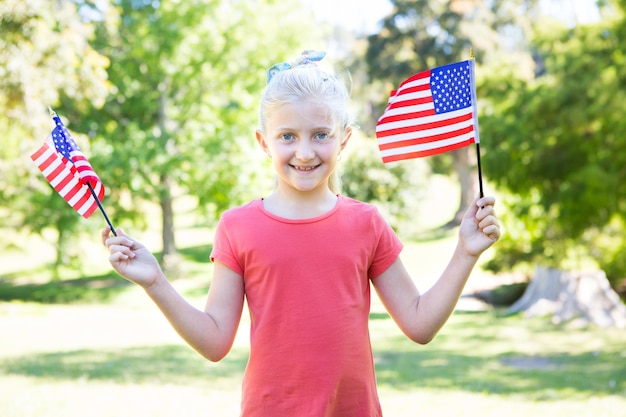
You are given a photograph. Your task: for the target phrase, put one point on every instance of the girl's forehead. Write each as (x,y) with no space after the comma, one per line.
(307,110)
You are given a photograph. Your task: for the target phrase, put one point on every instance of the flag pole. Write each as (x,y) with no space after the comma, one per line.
(93,192)
(104,213)
(475,111)
(480,174)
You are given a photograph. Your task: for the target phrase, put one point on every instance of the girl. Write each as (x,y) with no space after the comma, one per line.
(304,257)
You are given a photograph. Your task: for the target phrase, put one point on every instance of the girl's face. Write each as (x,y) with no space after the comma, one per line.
(300,141)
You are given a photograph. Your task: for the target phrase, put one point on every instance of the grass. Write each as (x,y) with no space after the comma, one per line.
(93,345)
(106,351)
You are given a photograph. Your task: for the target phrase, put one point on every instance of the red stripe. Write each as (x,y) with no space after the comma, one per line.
(84,168)
(65,172)
(86,195)
(90,210)
(69,193)
(425,126)
(60,171)
(99,189)
(410,102)
(413,89)
(64,175)
(427,139)
(405,116)
(415,77)
(47,162)
(39,152)
(429,152)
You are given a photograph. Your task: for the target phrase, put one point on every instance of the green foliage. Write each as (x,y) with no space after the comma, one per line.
(395,189)
(186,80)
(162,97)
(424,34)
(44,54)
(556,141)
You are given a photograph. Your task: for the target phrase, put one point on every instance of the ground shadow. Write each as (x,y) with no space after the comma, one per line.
(95,288)
(537,376)
(164,364)
(98,288)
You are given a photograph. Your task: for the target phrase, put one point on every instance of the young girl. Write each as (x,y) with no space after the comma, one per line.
(304,257)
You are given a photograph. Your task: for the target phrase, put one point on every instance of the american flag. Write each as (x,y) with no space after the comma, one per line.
(68,171)
(431,112)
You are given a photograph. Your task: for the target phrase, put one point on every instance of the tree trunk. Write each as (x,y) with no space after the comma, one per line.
(169,257)
(170,260)
(468,181)
(579,297)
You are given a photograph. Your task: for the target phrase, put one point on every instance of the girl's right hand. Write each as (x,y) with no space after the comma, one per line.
(131,259)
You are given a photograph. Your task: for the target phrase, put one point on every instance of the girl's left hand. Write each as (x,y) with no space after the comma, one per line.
(480,227)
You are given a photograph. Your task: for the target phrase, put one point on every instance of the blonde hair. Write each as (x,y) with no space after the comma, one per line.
(309,82)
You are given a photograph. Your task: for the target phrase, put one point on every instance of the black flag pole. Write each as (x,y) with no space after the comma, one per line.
(480,173)
(104,213)
(93,192)
(475,112)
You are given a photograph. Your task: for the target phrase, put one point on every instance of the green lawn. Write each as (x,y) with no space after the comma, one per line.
(97,347)
(93,345)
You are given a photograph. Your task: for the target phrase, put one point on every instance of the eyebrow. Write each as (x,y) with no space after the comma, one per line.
(291,128)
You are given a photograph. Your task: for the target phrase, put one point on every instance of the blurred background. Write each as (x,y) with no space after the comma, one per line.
(162,97)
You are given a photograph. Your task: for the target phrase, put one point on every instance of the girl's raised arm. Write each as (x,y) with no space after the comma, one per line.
(210,332)
(421,316)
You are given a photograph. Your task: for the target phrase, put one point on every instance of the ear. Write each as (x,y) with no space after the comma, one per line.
(261,140)
(346,137)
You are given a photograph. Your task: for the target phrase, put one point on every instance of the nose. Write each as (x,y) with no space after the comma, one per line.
(304,151)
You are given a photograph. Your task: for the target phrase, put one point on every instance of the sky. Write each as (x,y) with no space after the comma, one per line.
(581,11)
(363,16)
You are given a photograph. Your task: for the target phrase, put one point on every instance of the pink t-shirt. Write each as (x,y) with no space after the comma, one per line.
(308,292)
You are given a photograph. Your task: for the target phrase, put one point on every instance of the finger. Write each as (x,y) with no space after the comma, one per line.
(488,220)
(486,201)
(120,244)
(472,209)
(105,234)
(492,231)
(485,212)
(118,257)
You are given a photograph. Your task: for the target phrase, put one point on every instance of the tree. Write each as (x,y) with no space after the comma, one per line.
(44,55)
(580,297)
(423,34)
(186,79)
(557,138)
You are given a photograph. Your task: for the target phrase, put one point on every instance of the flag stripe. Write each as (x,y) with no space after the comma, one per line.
(411,113)
(417,139)
(408,154)
(431,112)
(419,147)
(61,174)
(429,126)
(411,100)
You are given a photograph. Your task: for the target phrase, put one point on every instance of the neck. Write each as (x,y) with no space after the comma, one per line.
(294,204)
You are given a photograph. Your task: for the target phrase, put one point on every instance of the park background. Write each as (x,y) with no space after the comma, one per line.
(162,97)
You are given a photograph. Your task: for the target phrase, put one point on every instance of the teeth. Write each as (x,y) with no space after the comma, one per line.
(304,168)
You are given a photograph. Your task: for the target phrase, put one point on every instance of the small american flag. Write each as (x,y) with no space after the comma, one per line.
(431,112)
(68,171)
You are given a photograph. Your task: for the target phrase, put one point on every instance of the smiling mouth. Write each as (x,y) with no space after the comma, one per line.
(304,169)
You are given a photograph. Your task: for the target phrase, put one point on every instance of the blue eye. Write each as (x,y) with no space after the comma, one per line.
(322,136)
(287,137)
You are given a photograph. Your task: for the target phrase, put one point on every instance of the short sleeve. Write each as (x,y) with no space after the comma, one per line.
(388,246)
(224,249)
